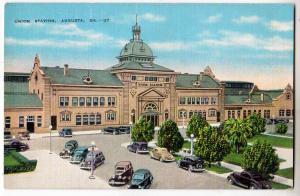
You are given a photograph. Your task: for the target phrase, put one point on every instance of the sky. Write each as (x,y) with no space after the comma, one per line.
(248,42)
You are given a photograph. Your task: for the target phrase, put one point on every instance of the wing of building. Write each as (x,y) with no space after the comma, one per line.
(88,99)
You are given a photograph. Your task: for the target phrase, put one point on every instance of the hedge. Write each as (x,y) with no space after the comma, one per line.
(24,165)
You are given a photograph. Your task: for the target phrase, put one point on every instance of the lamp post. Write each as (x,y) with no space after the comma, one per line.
(130,130)
(93,145)
(192,144)
(273,123)
(50,129)
(183,113)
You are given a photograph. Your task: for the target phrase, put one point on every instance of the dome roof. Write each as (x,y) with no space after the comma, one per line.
(136,48)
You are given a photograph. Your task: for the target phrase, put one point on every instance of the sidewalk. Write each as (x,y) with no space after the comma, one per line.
(54,133)
(52,172)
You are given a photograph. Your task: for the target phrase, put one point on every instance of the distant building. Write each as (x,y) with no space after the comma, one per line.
(86,99)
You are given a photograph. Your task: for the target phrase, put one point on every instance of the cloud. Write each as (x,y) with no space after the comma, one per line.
(152,17)
(214,18)
(275,25)
(230,38)
(73,30)
(48,43)
(246,19)
(171,46)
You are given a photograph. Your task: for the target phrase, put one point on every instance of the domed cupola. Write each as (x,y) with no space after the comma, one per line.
(136,50)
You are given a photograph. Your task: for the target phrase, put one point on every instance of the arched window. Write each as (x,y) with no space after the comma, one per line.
(132,116)
(150,107)
(166,114)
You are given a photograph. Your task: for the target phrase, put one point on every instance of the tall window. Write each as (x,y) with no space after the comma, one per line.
(92,119)
(204,115)
(39,121)
(133,78)
(239,114)
(102,101)
(81,101)
(198,100)
(288,112)
(182,100)
(111,115)
(111,101)
(98,119)
(189,100)
(229,114)
(65,117)
(233,114)
(281,112)
(206,100)
(95,101)
(193,100)
(213,100)
(259,112)
(212,112)
(78,119)
(21,121)
(75,101)
(249,112)
(202,100)
(64,101)
(182,114)
(7,122)
(288,96)
(244,114)
(85,119)
(88,101)
(267,114)
(191,114)
(166,115)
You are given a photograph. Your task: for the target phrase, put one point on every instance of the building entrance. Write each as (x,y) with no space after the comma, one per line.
(151,114)
(30,124)
(153,118)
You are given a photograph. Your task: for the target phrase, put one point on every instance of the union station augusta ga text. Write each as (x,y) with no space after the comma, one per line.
(85,99)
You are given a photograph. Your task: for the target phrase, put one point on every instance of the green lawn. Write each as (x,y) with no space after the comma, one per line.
(274,141)
(276,185)
(287,173)
(217,169)
(234,158)
(187,144)
(10,160)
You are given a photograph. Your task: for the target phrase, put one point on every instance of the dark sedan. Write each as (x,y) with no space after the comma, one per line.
(249,180)
(65,132)
(112,130)
(141,179)
(15,145)
(191,163)
(138,147)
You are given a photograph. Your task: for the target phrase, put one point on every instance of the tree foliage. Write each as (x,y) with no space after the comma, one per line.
(236,131)
(281,128)
(143,131)
(257,124)
(260,158)
(169,136)
(195,123)
(211,145)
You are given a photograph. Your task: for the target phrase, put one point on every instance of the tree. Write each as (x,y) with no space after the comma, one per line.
(236,132)
(169,136)
(260,158)
(211,145)
(257,124)
(143,131)
(281,128)
(195,123)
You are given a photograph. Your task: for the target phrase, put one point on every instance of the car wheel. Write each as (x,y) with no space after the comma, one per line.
(200,166)
(252,187)
(114,133)
(161,159)
(230,181)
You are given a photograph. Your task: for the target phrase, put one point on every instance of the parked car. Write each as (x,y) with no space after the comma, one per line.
(68,151)
(79,155)
(7,136)
(249,180)
(138,147)
(15,145)
(66,132)
(270,121)
(88,163)
(124,129)
(161,154)
(24,135)
(191,163)
(141,179)
(123,174)
(112,130)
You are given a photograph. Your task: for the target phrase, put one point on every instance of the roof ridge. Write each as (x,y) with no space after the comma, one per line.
(75,68)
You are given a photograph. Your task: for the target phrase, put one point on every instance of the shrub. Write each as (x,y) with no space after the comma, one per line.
(260,158)
(281,128)
(169,136)
(143,131)
(24,165)
(257,124)
(196,123)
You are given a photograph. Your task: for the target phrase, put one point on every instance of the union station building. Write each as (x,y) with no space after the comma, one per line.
(86,99)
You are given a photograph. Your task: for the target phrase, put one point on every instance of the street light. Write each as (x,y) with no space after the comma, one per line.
(192,144)
(50,128)
(93,145)
(130,130)
(273,123)
(183,113)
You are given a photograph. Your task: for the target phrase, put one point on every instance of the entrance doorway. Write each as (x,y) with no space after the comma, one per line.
(153,118)
(54,122)
(30,124)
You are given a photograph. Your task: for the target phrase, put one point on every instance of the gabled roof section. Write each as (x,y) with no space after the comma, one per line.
(75,76)
(187,81)
(132,65)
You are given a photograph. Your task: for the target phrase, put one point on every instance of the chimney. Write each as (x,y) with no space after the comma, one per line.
(66,69)
(261,97)
(201,76)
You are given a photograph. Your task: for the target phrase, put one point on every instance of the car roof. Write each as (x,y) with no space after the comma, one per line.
(123,163)
(142,171)
(81,148)
(95,152)
(192,157)
(141,142)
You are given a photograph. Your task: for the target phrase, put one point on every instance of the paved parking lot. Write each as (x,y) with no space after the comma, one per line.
(166,175)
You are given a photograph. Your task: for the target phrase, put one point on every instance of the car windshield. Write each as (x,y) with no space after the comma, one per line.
(119,170)
(138,176)
(258,178)
(68,131)
(91,155)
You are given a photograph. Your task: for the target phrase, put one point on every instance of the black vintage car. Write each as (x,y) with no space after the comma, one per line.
(141,179)
(270,121)
(191,163)
(70,147)
(249,180)
(112,130)
(138,147)
(123,174)
(124,129)
(15,145)
(66,132)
